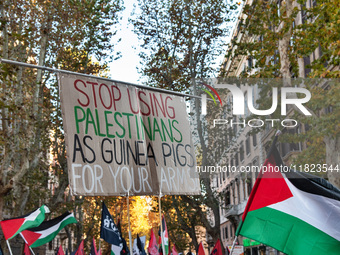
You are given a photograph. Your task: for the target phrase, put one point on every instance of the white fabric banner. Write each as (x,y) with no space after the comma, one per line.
(121,139)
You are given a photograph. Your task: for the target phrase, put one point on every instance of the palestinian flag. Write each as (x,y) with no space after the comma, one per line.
(14,226)
(47,230)
(294,212)
(164,237)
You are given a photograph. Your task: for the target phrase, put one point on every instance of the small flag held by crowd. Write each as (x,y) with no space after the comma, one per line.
(47,230)
(80,250)
(14,226)
(110,232)
(153,247)
(164,237)
(201,249)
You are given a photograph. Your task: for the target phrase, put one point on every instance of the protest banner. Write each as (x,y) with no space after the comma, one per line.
(126,140)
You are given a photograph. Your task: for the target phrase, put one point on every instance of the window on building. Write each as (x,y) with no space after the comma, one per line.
(228,169)
(233,189)
(235,125)
(285,148)
(246,110)
(292,38)
(255,163)
(236,159)
(227,198)
(230,133)
(248,145)
(306,61)
(231,231)
(250,62)
(241,152)
(254,140)
(249,183)
(226,232)
(238,192)
(278,4)
(303,14)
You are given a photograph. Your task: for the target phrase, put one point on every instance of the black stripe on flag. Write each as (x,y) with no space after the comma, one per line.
(50,223)
(304,181)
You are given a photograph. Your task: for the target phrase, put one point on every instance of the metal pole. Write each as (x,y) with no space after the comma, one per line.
(9,247)
(160,219)
(31,250)
(232,247)
(7,61)
(128,213)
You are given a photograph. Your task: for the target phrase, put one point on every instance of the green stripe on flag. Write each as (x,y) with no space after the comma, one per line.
(287,233)
(34,219)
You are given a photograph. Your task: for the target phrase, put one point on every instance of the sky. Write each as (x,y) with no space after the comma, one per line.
(125,68)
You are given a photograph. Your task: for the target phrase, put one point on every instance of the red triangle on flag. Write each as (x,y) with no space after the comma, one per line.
(10,227)
(27,250)
(269,188)
(30,237)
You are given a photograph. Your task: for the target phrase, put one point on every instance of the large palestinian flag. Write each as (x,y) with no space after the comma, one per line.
(14,226)
(47,230)
(294,212)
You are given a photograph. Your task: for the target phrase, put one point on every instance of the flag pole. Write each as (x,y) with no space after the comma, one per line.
(128,212)
(277,133)
(9,247)
(160,219)
(232,247)
(31,250)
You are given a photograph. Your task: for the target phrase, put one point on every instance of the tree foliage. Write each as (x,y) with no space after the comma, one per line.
(181,40)
(311,48)
(66,34)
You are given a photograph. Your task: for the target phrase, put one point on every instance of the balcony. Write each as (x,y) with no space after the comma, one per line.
(235,210)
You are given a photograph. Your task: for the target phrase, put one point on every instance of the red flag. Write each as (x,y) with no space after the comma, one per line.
(27,250)
(60,251)
(153,247)
(217,249)
(201,249)
(80,250)
(174,252)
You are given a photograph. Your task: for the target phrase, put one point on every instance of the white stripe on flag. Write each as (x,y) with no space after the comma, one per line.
(321,212)
(52,229)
